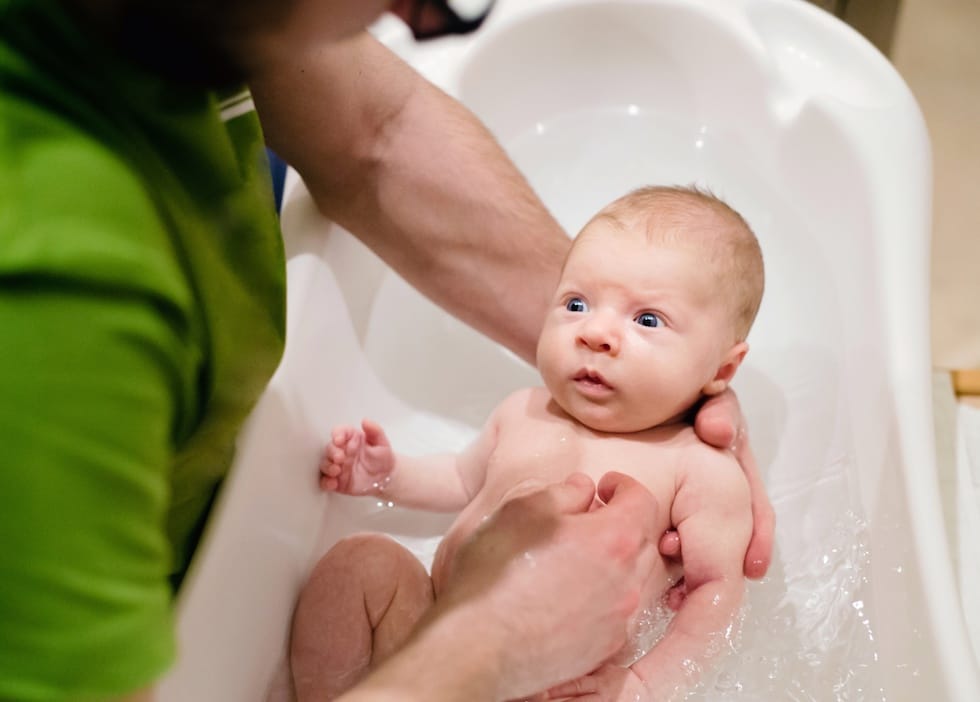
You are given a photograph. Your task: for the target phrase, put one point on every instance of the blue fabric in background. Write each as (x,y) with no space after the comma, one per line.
(278,168)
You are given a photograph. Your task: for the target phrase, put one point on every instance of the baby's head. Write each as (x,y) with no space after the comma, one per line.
(655,301)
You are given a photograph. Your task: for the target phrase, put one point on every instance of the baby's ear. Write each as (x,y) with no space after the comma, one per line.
(726,371)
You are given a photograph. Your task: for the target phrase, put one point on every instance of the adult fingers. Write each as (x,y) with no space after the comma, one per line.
(670,545)
(720,423)
(758,555)
(719,419)
(570,497)
(585,685)
(628,500)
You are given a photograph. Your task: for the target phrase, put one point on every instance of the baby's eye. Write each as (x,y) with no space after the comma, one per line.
(649,319)
(576,304)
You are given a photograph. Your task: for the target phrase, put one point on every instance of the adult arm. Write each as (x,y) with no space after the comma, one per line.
(517,616)
(416,177)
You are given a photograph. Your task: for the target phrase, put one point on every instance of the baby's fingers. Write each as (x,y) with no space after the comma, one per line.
(334,457)
(341,434)
(374,435)
(346,438)
(331,467)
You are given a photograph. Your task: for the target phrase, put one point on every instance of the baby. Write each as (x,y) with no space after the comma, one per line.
(651,313)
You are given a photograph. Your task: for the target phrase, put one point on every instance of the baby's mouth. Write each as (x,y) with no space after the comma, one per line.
(591,379)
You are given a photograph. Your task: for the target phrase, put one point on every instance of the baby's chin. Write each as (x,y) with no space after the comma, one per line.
(607,421)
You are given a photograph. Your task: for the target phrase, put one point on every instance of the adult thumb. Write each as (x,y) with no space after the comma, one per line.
(575,495)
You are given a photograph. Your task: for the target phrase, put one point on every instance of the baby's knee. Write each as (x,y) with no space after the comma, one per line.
(371,558)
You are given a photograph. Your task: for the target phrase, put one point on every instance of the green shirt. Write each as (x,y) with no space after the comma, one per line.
(141,314)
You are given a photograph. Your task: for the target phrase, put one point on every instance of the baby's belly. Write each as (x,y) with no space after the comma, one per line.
(466,523)
(480,508)
(648,623)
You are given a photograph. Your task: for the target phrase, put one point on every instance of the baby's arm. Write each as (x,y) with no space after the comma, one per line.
(713,513)
(360,461)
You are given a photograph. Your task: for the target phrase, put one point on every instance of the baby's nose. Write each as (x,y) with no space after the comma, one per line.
(600,334)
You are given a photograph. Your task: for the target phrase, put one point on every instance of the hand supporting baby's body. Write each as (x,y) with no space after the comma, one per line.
(530,442)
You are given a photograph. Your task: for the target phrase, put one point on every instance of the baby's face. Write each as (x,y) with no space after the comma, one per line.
(635,334)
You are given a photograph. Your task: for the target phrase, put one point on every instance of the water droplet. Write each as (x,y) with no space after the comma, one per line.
(727,682)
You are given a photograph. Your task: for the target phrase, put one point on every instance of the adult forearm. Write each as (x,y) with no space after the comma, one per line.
(461,224)
(414,174)
(449,658)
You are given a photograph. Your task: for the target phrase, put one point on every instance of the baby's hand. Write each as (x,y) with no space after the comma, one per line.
(357,461)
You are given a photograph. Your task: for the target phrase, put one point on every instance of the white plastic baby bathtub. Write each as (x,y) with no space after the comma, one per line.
(808,131)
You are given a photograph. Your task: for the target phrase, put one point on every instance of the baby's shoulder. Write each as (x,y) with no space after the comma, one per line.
(706,471)
(678,439)
(693,455)
(526,402)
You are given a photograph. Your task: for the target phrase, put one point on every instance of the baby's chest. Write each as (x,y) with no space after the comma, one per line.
(548,454)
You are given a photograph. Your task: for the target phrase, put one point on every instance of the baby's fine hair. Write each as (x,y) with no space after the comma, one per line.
(694,215)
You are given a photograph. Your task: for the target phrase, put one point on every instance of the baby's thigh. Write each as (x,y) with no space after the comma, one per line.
(367,573)
(376,563)
(361,602)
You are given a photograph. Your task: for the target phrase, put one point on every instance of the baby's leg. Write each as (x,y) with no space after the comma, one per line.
(361,602)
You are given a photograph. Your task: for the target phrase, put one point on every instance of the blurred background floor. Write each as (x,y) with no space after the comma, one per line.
(935,47)
(933,44)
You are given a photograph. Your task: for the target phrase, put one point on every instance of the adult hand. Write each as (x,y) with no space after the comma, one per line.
(720,423)
(607,684)
(554,585)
